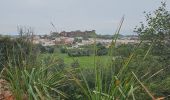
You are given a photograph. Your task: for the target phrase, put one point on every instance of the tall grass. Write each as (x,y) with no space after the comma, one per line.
(30,78)
(44,79)
(111,82)
(39,82)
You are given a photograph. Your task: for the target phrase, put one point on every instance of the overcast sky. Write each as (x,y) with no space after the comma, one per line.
(100,15)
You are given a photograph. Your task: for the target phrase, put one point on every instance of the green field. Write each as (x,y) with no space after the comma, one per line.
(84,61)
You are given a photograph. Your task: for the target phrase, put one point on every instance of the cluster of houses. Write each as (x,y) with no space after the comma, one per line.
(71,41)
(60,40)
(68,38)
(51,42)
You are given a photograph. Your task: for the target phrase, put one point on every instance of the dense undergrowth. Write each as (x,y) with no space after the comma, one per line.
(130,72)
(50,78)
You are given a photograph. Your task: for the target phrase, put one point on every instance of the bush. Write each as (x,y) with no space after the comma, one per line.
(78,52)
(16,51)
(101,50)
(46,49)
(123,50)
(63,50)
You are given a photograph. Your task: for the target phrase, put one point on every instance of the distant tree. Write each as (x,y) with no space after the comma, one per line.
(41,48)
(157,26)
(123,50)
(101,50)
(63,50)
(78,52)
(49,49)
(157,29)
(45,49)
(74,52)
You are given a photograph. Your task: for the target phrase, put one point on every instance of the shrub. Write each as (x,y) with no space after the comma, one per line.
(46,49)
(78,52)
(16,51)
(63,50)
(101,50)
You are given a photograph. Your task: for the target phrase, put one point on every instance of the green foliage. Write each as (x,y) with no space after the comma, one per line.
(123,50)
(46,49)
(50,49)
(63,50)
(16,52)
(78,52)
(156,33)
(158,25)
(41,82)
(101,50)
(162,88)
(106,84)
(81,76)
(156,30)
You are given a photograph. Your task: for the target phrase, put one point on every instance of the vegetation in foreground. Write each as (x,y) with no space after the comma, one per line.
(134,72)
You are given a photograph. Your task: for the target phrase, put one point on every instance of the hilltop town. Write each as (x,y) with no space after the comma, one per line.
(79,38)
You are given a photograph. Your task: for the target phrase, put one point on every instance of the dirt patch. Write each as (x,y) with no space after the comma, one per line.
(5,93)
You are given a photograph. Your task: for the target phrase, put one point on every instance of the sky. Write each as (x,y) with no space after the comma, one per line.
(69,15)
